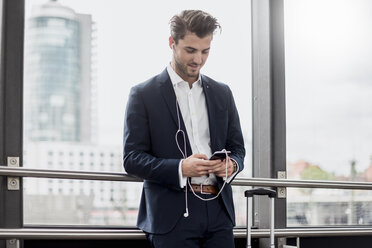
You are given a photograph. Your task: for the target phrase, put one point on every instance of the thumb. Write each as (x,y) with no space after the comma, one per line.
(200,156)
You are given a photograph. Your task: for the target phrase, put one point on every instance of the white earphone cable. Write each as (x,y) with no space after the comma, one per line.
(184,154)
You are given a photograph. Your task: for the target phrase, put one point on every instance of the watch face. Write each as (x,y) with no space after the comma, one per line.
(235,165)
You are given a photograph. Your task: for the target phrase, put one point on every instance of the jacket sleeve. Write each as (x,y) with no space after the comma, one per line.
(138,159)
(235,141)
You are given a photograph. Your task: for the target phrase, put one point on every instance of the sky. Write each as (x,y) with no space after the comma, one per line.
(328,75)
(329,82)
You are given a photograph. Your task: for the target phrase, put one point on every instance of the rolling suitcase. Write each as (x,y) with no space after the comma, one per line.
(271,194)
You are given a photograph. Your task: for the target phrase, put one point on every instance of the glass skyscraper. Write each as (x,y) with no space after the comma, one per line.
(59,103)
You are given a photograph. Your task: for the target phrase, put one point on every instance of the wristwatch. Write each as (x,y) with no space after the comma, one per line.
(234,165)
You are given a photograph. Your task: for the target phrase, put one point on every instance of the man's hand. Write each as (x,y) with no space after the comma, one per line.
(198,165)
(220,168)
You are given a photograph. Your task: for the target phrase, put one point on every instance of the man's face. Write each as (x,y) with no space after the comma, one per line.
(189,55)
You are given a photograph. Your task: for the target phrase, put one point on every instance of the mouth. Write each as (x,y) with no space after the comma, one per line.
(194,66)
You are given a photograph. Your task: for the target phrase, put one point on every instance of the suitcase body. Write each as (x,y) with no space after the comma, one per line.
(272,195)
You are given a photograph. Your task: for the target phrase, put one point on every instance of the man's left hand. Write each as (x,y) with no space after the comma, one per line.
(220,169)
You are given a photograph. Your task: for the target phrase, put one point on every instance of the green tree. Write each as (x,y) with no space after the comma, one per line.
(314,172)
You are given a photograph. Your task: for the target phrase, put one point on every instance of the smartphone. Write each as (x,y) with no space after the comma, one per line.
(219,155)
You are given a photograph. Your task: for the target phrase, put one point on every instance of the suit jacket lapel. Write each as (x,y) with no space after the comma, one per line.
(211,106)
(169,96)
(211,96)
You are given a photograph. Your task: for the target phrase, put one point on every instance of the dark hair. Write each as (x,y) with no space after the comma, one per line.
(194,21)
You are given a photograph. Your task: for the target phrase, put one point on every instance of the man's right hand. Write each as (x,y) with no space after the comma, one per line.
(197,165)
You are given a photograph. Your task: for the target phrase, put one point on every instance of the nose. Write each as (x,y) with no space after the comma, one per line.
(197,58)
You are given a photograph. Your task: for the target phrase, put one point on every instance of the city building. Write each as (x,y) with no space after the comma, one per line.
(80,201)
(58,76)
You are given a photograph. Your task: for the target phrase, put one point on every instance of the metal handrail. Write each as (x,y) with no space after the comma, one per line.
(82,234)
(306,232)
(66,174)
(238,181)
(68,233)
(292,183)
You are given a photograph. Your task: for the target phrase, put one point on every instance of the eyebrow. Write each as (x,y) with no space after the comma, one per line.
(192,48)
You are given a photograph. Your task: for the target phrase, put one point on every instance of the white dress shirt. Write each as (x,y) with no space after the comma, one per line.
(194,113)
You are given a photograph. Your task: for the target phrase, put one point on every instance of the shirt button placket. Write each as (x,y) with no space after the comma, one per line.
(194,122)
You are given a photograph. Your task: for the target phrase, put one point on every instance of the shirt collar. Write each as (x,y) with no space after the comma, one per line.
(176,79)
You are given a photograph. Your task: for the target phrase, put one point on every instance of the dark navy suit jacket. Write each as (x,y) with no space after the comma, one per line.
(151,153)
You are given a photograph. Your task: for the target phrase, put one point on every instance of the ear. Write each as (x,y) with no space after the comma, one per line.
(171,42)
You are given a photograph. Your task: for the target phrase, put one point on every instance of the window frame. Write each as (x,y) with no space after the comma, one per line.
(268,82)
(11,108)
(268,98)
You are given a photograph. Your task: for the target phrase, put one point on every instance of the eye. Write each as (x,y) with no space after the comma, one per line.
(190,50)
(205,51)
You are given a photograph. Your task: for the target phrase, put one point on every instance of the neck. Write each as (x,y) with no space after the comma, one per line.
(189,80)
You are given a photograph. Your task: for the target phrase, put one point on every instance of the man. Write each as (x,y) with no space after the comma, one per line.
(174,122)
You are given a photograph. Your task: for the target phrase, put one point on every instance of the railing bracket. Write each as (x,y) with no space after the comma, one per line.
(282,191)
(13,182)
(12,243)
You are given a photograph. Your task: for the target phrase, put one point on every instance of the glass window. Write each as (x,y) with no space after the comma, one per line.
(328,89)
(81,59)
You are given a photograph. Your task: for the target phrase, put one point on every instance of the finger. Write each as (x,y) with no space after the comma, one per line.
(222,170)
(208,164)
(221,165)
(223,173)
(202,170)
(200,156)
(214,163)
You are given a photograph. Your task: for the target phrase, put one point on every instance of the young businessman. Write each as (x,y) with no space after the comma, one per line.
(174,122)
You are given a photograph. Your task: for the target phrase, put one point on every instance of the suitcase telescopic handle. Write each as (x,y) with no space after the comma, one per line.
(260,191)
(272,195)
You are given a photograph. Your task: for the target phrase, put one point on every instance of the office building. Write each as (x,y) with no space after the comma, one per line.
(58,78)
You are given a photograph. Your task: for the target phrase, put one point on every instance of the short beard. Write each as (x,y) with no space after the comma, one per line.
(181,69)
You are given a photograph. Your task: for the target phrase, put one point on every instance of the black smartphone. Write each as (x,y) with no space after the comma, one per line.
(219,155)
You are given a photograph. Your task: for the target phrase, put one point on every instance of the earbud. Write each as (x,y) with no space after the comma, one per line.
(186,214)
